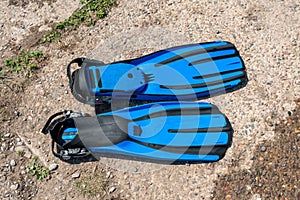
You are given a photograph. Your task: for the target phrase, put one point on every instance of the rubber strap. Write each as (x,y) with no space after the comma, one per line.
(79,61)
(77,78)
(47,126)
(64,152)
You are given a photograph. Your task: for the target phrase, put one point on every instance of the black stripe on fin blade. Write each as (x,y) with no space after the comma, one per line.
(219,73)
(212,59)
(180,112)
(196,150)
(181,87)
(197,51)
(200,130)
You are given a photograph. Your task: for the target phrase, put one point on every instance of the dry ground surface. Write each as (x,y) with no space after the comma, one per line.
(263,162)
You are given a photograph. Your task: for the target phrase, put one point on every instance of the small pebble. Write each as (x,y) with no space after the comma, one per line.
(12,163)
(263,148)
(66,91)
(76,174)
(17,113)
(136,188)
(53,166)
(248,187)
(21,187)
(14,186)
(112,189)
(19,143)
(108,174)
(7,194)
(293,6)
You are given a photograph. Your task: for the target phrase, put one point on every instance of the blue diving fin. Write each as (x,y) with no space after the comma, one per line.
(164,132)
(188,72)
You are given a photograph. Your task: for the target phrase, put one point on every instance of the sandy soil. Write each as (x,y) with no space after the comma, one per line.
(266,33)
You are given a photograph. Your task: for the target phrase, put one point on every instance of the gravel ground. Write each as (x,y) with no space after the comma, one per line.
(265,32)
(275,171)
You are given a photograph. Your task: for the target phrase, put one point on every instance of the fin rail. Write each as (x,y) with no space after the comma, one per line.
(200,85)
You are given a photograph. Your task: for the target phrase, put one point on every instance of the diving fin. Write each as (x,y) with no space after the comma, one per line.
(188,72)
(163,132)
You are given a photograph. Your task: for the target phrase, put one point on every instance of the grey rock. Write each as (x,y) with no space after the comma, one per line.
(53,166)
(263,148)
(5,169)
(19,143)
(14,186)
(294,6)
(108,174)
(136,188)
(21,187)
(17,113)
(12,163)
(112,189)
(6,194)
(76,174)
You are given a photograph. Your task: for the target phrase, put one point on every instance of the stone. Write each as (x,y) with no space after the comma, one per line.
(19,143)
(76,174)
(17,113)
(12,163)
(14,186)
(112,189)
(136,188)
(53,167)
(108,174)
